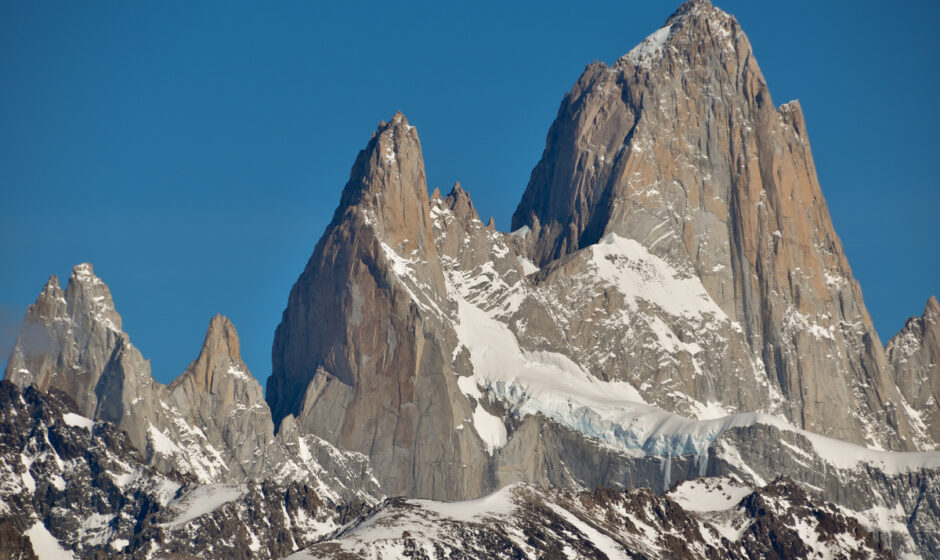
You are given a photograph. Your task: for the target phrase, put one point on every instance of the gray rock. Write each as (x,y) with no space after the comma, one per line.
(362,354)
(679,147)
(914,355)
(211,423)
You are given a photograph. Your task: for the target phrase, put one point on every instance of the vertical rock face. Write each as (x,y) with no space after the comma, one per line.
(361,356)
(679,148)
(914,354)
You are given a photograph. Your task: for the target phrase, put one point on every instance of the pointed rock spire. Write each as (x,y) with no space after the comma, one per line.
(914,354)
(458,201)
(89,299)
(388,188)
(51,301)
(219,368)
(359,356)
(932,309)
(72,341)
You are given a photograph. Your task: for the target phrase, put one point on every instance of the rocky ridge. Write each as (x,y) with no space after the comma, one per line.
(72,486)
(212,422)
(713,518)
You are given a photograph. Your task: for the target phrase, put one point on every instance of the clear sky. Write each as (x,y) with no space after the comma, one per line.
(195,151)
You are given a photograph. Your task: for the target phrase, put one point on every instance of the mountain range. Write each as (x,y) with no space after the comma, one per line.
(667,356)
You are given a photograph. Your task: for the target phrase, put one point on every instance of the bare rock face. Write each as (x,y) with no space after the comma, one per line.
(72,341)
(914,354)
(218,394)
(678,148)
(361,356)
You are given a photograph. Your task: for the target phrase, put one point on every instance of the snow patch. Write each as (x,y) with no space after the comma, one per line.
(203,500)
(649,50)
(602,542)
(641,276)
(73,419)
(709,494)
(162,444)
(490,428)
(528,267)
(45,545)
(239,372)
(497,503)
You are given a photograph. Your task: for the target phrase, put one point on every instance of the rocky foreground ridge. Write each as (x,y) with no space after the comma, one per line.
(672,319)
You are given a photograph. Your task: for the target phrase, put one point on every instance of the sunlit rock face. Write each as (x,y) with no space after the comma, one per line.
(679,148)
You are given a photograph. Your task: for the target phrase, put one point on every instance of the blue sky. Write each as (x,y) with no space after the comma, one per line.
(195,151)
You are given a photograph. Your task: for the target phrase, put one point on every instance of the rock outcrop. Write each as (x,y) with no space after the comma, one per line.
(914,354)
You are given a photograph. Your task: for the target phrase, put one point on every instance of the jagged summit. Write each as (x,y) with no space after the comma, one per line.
(932,308)
(697,8)
(680,148)
(458,200)
(387,185)
(695,25)
(219,359)
(914,355)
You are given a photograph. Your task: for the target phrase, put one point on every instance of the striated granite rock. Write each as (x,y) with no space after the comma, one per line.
(679,148)
(362,356)
(914,355)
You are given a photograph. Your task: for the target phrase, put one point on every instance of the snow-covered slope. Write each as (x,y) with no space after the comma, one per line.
(523,521)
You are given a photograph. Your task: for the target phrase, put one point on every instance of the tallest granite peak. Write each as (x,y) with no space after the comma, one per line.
(679,147)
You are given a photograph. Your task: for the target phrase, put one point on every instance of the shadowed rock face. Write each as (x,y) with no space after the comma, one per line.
(679,147)
(914,354)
